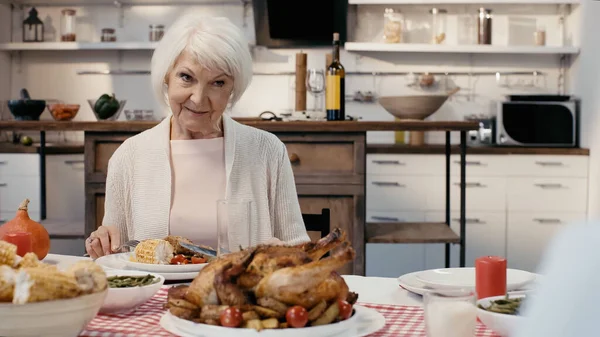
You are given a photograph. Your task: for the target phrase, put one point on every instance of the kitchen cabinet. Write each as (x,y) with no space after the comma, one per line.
(515,205)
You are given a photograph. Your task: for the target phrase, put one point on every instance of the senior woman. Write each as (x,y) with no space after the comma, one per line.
(167,180)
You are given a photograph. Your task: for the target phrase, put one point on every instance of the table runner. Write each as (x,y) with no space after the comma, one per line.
(401,321)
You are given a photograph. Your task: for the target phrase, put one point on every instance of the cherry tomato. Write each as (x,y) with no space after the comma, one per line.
(178,259)
(345,309)
(196,260)
(296,316)
(231,317)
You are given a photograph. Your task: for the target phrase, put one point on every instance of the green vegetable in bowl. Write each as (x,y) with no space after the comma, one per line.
(131,281)
(508,306)
(106,106)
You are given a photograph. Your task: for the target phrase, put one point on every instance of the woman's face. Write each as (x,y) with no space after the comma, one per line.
(198,97)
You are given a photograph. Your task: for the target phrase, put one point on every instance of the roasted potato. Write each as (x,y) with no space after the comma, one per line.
(273,304)
(250,315)
(267,313)
(270,323)
(183,312)
(255,324)
(317,311)
(328,316)
(212,311)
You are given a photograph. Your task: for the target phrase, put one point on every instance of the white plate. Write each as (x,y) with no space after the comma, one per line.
(114,261)
(454,278)
(364,322)
(160,268)
(123,300)
(503,325)
(411,283)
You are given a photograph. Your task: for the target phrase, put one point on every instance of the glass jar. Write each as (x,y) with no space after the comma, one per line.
(438,25)
(156,32)
(392,27)
(67,25)
(108,35)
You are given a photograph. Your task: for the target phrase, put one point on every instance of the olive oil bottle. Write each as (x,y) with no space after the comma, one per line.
(335,86)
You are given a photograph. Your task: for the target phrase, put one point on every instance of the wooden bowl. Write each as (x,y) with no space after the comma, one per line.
(412,107)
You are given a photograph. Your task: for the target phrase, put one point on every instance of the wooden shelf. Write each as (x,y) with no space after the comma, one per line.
(408,232)
(22,46)
(112,2)
(457,49)
(475,2)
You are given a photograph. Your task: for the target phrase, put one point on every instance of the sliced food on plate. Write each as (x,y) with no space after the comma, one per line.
(171,251)
(270,287)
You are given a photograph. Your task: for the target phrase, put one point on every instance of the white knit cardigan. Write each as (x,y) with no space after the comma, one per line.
(138,185)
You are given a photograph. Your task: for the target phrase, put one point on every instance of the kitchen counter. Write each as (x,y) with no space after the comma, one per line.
(328,160)
(64,148)
(487,150)
(292,126)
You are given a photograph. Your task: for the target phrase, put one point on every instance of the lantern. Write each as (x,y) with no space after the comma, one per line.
(33,27)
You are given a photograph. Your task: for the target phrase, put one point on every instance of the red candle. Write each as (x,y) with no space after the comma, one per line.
(490,276)
(20,239)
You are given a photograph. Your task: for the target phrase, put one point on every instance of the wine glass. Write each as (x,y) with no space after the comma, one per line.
(315,84)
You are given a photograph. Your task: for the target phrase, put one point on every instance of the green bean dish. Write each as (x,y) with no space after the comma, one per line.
(508,306)
(131,281)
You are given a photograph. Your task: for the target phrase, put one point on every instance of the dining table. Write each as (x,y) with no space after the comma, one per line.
(402,310)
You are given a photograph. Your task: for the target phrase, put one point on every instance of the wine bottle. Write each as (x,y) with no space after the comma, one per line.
(335,88)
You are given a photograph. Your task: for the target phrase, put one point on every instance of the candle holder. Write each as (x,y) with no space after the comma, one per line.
(33,27)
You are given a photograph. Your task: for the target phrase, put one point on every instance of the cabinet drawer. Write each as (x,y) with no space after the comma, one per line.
(485,234)
(19,164)
(480,165)
(547,194)
(397,193)
(15,189)
(321,158)
(529,233)
(482,194)
(66,187)
(549,166)
(100,147)
(412,164)
(387,216)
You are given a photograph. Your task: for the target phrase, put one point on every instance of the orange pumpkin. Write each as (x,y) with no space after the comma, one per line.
(40,239)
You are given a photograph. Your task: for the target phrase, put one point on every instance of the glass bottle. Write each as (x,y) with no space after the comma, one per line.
(438,25)
(67,25)
(335,91)
(392,26)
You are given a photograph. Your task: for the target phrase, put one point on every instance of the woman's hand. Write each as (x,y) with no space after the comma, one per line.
(103,241)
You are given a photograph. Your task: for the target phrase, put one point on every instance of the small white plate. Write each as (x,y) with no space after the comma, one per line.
(160,268)
(365,321)
(502,324)
(123,300)
(411,283)
(454,278)
(113,261)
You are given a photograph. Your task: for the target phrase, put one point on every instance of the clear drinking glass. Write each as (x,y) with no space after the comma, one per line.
(315,83)
(451,313)
(233,225)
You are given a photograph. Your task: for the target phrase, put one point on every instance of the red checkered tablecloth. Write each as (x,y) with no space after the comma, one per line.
(401,321)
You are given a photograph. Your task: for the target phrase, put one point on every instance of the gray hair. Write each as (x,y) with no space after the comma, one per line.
(216,43)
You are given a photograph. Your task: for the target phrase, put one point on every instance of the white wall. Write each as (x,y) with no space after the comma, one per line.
(51,74)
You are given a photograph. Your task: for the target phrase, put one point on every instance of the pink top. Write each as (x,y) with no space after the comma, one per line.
(198,168)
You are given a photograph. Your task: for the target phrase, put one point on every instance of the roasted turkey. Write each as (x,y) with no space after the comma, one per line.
(275,276)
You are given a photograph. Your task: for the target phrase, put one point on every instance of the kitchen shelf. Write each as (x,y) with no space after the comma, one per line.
(21,46)
(460,49)
(459,2)
(404,232)
(41,3)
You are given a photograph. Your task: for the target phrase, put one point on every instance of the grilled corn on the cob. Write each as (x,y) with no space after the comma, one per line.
(43,284)
(8,253)
(7,283)
(90,276)
(154,251)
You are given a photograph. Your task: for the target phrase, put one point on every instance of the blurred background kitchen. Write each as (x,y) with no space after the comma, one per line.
(392,48)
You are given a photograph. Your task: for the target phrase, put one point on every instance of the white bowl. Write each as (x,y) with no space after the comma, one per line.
(121,300)
(502,324)
(60,318)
